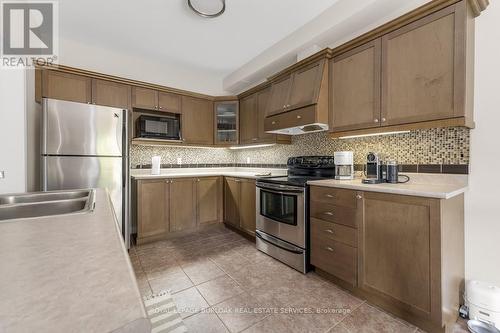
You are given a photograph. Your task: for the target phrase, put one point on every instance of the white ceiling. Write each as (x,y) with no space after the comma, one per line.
(167,31)
(164,42)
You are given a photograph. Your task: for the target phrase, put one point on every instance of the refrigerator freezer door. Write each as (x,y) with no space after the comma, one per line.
(81,129)
(75,172)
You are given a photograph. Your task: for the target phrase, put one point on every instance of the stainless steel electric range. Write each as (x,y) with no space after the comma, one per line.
(283,210)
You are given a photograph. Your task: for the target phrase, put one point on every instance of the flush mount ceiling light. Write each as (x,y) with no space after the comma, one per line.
(207,8)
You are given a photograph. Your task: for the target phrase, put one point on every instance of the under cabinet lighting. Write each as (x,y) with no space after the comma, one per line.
(254,146)
(371,134)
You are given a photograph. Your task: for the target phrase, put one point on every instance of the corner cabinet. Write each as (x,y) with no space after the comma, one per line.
(421,73)
(226,125)
(165,206)
(197,121)
(403,253)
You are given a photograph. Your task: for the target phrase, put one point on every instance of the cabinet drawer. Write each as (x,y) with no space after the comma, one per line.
(334,232)
(334,257)
(333,213)
(306,115)
(335,196)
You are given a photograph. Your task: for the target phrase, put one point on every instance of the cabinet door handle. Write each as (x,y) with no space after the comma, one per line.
(330,231)
(375,120)
(328,213)
(284,106)
(254,139)
(329,249)
(273,122)
(358,196)
(160,107)
(330,196)
(299,117)
(383,120)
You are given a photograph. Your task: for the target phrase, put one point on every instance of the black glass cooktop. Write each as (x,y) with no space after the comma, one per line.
(301,169)
(292,181)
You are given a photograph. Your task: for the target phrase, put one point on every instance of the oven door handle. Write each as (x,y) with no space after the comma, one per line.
(280,189)
(287,192)
(278,243)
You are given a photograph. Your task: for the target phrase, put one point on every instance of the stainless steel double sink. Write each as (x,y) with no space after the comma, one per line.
(40,204)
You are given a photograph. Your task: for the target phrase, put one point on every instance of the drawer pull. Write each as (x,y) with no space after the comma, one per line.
(330,231)
(328,213)
(329,249)
(330,196)
(273,122)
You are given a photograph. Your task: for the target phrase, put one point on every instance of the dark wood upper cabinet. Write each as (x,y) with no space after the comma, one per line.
(144,98)
(261,104)
(424,68)
(355,88)
(197,121)
(110,93)
(226,123)
(278,99)
(169,102)
(249,132)
(298,89)
(68,87)
(306,85)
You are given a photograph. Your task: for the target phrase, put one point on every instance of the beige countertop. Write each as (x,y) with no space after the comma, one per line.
(441,186)
(252,173)
(68,273)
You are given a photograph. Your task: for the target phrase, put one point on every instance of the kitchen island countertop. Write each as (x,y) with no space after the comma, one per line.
(68,273)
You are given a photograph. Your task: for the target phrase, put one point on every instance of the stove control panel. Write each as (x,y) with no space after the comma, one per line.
(311,162)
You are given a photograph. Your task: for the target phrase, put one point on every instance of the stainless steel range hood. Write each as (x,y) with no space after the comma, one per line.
(298,130)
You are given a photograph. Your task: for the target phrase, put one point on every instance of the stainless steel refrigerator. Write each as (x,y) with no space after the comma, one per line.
(86,146)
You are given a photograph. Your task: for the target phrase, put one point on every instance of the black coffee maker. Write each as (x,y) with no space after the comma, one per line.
(375,170)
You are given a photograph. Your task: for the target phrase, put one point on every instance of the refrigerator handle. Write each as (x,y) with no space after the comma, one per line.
(43,146)
(126,223)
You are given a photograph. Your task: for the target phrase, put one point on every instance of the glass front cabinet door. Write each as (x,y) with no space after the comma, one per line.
(226,122)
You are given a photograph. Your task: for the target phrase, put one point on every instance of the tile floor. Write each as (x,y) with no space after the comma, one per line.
(221,283)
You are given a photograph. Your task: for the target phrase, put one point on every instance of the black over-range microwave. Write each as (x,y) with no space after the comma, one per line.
(159,127)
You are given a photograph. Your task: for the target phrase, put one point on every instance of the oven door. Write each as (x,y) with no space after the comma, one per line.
(281,212)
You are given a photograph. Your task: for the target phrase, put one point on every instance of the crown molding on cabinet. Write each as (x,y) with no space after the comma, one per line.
(97,75)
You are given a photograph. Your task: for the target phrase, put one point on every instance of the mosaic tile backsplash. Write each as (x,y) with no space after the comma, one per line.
(432,146)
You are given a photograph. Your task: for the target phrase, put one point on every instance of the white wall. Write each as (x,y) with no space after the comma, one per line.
(12,130)
(482,224)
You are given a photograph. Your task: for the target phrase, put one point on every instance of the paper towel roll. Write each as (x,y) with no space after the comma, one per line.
(155,162)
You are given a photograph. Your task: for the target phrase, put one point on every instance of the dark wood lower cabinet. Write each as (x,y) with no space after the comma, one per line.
(247,205)
(182,204)
(163,207)
(405,254)
(239,204)
(152,208)
(208,200)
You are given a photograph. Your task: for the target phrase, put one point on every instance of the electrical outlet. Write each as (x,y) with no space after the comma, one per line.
(179,160)
(248,160)
(2,174)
